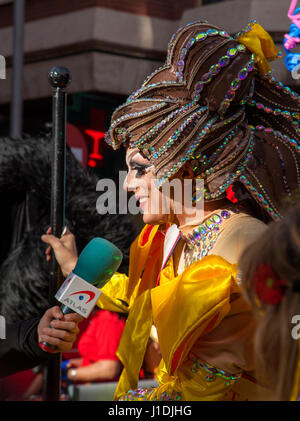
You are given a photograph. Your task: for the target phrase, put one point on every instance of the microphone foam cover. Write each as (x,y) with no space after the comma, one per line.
(98,261)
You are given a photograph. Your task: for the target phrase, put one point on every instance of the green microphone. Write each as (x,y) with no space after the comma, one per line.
(79,293)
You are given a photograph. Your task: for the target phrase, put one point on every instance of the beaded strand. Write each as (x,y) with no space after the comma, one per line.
(235,85)
(215,69)
(286,114)
(168,173)
(279,85)
(156,129)
(260,198)
(198,38)
(179,132)
(234,176)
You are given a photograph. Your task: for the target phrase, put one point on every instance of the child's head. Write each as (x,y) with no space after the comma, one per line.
(270,269)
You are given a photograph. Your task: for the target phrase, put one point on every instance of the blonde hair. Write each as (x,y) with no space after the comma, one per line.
(276,351)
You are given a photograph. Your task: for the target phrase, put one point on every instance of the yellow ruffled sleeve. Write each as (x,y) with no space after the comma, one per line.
(120,293)
(190,306)
(114,294)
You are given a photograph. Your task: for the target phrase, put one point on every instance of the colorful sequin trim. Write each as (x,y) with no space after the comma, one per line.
(277,111)
(139,113)
(158,127)
(137,394)
(155,107)
(235,85)
(285,138)
(234,176)
(197,38)
(180,163)
(246,30)
(144,88)
(216,68)
(204,161)
(203,238)
(279,85)
(208,128)
(178,133)
(144,395)
(260,198)
(213,372)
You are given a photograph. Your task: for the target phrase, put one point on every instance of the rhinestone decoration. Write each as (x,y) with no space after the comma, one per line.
(202,159)
(287,141)
(179,132)
(126,117)
(235,84)
(213,372)
(144,394)
(279,85)
(259,197)
(168,173)
(277,111)
(246,30)
(281,159)
(216,68)
(234,176)
(158,127)
(218,151)
(198,38)
(285,138)
(144,89)
(203,238)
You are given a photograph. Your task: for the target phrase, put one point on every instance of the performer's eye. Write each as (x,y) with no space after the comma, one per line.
(140,169)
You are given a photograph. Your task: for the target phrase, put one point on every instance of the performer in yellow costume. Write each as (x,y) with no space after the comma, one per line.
(212,112)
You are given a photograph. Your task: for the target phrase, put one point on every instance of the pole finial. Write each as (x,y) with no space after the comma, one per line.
(59,77)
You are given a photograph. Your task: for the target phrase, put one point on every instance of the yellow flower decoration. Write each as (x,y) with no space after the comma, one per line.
(261,44)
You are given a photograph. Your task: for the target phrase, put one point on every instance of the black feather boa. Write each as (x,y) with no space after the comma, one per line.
(25,183)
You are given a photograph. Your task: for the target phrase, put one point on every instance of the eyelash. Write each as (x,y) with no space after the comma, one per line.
(140,171)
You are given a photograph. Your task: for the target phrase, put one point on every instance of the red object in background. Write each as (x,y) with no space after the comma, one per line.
(86,141)
(77,142)
(268,287)
(101,338)
(95,156)
(15,386)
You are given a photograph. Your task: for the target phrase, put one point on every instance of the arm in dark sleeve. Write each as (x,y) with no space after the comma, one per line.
(20,350)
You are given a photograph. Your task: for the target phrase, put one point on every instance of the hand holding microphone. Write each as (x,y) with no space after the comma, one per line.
(97,263)
(59,330)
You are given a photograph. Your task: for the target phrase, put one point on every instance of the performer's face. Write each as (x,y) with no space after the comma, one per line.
(140,179)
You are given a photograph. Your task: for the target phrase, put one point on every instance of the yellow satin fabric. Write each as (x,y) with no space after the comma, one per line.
(204,287)
(145,260)
(183,308)
(260,43)
(133,343)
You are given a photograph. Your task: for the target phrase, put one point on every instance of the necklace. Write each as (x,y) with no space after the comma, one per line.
(202,239)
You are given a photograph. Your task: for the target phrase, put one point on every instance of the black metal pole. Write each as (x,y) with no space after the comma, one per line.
(59,78)
(16,119)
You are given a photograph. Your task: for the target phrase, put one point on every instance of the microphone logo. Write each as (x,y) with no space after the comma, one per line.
(81,297)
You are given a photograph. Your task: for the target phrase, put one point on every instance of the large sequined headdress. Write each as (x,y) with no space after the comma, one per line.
(216,104)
